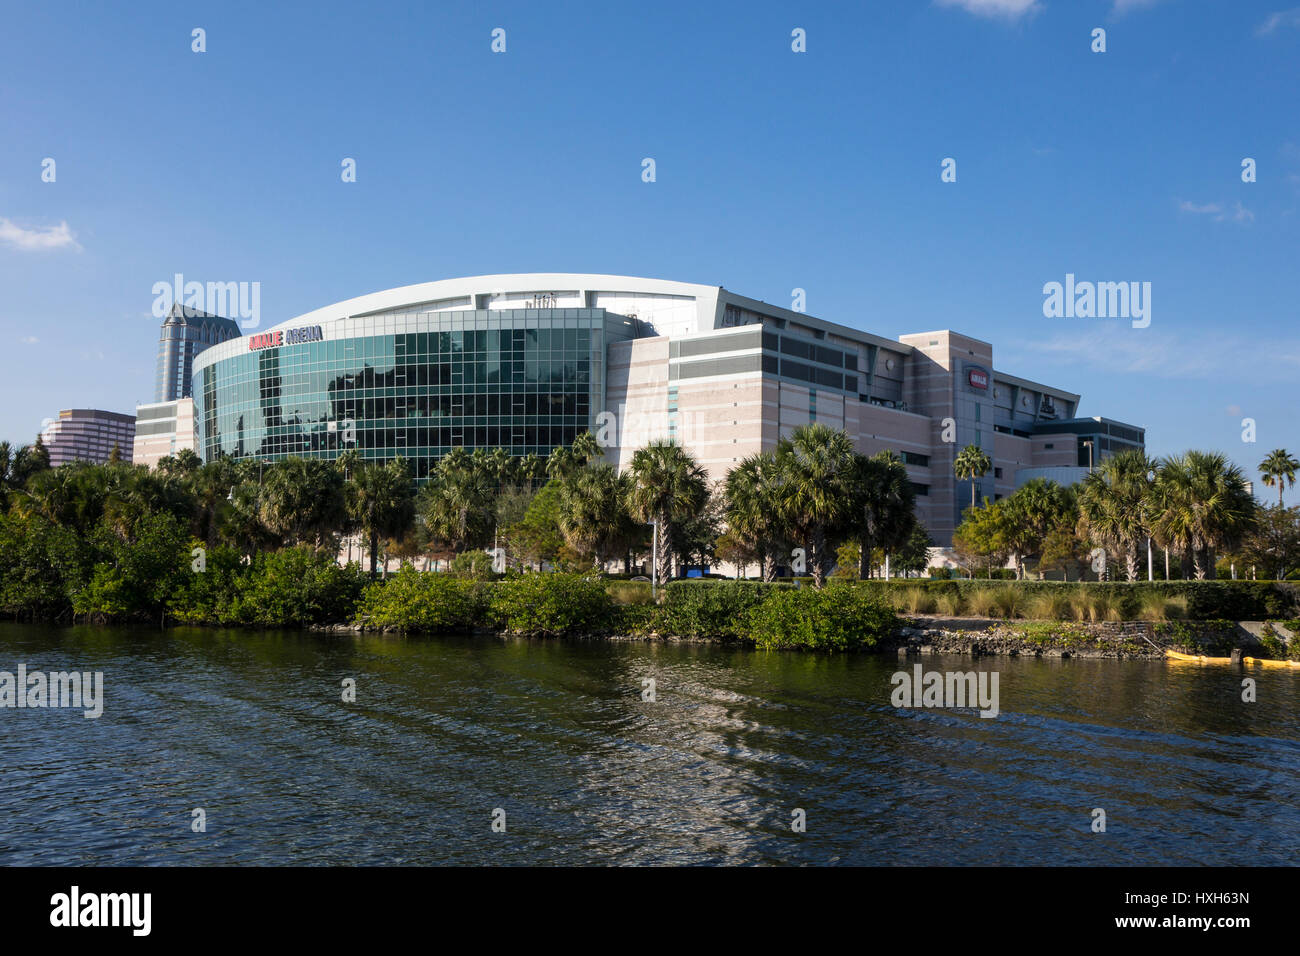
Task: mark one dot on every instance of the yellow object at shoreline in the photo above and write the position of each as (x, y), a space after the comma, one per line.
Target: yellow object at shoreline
(1202, 659)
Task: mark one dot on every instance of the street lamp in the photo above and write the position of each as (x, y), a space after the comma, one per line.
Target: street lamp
(1151, 477)
(1089, 444)
(654, 560)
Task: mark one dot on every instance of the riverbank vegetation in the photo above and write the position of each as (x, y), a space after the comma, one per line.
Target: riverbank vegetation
(259, 544)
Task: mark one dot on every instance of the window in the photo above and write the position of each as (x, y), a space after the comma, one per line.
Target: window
(997, 472)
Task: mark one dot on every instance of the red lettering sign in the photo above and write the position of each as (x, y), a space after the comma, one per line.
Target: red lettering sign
(265, 340)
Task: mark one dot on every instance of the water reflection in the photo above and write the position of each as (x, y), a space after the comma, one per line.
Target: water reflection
(251, 727)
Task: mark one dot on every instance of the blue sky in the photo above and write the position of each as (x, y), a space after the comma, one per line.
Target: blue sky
(775, 170)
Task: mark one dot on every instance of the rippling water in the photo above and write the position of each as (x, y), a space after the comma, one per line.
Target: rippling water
(251, 727)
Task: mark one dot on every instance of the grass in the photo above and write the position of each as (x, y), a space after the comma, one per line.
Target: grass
(914, 600)
(1049, 606)
(629, 592)
(949, 603)
(982, 603)
(1009, 601)
(1159, 607)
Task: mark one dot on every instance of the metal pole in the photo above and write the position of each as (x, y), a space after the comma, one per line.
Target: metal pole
(1150, 573)
(654, 560)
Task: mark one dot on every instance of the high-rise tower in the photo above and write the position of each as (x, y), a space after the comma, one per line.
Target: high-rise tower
(185, 333)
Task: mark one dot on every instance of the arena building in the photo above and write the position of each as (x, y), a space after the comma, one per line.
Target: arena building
(527, 362)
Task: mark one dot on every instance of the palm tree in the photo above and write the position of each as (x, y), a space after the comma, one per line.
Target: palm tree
(502, 465)
(753, 495)
(594, 518)
(382, 502)
(1279, 469)
(1200, 505)
(457, 503)
(585, 447)
(303, 500)
(882, 508)
(971, 464)
(348, 462)
(668, 487)
(816, 464)
(1114, 502)
(532, 468)
(561, 461)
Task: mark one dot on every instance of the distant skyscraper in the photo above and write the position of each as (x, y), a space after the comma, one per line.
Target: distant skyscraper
(185, 333)
(89, 434)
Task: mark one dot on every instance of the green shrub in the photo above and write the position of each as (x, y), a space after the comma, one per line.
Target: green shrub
(294, 587)
(712, 608)
(839, 617)
(551, 605)
(635, 619)
(214, 594)
(475, 565)
(429, 603)
(1277, 646)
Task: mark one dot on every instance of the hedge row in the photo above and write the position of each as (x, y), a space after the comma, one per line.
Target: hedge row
(1205, 600)
(839, 617)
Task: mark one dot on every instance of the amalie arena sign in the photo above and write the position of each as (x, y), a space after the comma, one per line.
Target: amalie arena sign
(269, 340)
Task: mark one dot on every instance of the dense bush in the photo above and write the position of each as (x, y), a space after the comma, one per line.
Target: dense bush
(551, 605)
(839, 617)
(429, 603)
(705, 608)
(139, 577)
(294, 587)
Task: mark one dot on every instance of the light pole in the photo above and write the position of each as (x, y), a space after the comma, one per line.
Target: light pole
(654, 560)
(1151, 477)
(1089, 444)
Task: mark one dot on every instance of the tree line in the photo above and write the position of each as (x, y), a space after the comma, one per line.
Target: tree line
(1195, 506)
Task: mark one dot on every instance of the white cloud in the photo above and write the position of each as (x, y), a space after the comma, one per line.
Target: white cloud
(1281, 19)
(1217, 212)
(55, 237)
(1121, 7)
(1171, 353)
(29, 340)
(1009, 9)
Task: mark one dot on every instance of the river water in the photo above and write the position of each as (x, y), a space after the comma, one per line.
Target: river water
(251, 728)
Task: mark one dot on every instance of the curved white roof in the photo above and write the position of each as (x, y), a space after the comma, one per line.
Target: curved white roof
(674, 308)
(411, 297)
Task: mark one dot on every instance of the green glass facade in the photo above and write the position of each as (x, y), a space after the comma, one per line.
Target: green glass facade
(524, 380)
